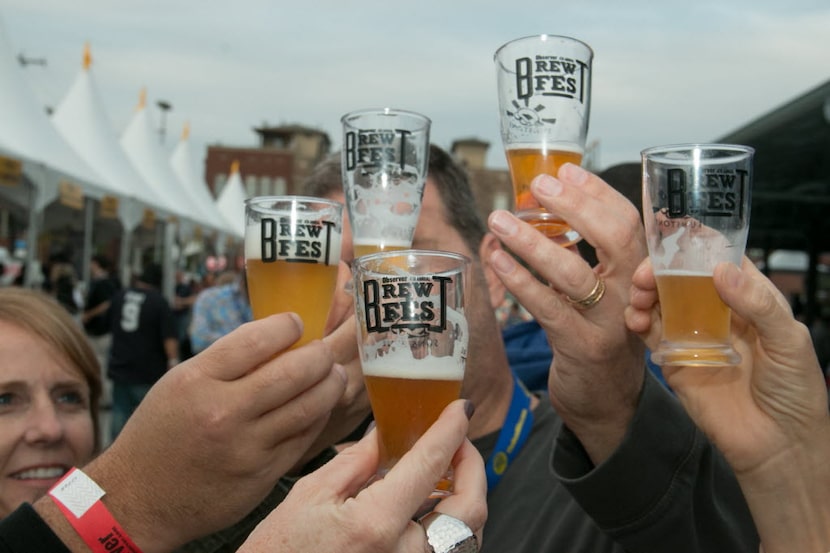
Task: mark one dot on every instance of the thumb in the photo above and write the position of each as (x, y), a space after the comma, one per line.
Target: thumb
(755, 298)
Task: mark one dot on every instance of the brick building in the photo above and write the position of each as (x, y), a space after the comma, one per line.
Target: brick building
(286, 154)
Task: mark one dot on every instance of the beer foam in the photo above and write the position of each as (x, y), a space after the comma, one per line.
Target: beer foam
(399, 362)
(550, 147)
(385, 240)
(253, 248)
(681, 272)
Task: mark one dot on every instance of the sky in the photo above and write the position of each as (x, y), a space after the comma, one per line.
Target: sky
(664, 71)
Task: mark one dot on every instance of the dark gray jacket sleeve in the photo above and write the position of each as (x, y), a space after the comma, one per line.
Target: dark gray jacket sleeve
(666, 488)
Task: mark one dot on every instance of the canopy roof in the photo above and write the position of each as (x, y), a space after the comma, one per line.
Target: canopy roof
(27, 133)
(791, 191)
(81, 120)
(141, 145)
(231, 201)
(183, 162)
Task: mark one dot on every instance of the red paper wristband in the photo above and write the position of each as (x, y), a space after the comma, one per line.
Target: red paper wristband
(79, 499)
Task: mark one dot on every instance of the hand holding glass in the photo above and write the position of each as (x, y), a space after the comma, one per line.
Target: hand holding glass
(385, 157)
(696, 200)
(413, 336)
(544, 86)
(292, 250)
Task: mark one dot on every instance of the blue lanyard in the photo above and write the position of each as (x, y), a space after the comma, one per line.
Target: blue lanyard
(513, 434)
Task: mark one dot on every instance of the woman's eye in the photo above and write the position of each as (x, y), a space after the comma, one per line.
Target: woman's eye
(8, 400)
(71, 398)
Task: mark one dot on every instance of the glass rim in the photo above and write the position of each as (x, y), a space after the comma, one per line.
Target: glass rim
(687, 147)
(386, 111)
(543, 37)
(364, 259)
(256, 200)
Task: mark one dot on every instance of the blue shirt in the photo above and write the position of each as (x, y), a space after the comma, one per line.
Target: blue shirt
(216, 312)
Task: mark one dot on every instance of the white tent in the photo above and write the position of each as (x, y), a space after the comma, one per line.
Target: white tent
(143, 149)
(81, 120)
(183, 163)
(27, 131)
(50, 168)
(231, 201)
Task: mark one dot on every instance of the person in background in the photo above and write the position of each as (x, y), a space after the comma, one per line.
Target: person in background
(768, 415)
(219, 310)
(50, 382)
(95, 317)
(144, 343)
(184, 295)
(61, 282)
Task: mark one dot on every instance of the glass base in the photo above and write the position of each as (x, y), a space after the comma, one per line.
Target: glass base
(550, 225)
(443, 488)
(670, 354)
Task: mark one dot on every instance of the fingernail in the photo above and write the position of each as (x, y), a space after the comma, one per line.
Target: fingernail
(502, 262)
(297, 320)
(573, 174)
(348, 287)
(503, 223)
(469, 409)
(545, 185)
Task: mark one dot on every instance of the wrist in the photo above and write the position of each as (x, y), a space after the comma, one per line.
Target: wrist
(78, 499)
(789, 495)
(142, 515)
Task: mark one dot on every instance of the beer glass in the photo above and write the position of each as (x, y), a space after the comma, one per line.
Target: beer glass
(384, 159)
(413, 336)
(292, 250)
(544, 87)
(696, 200)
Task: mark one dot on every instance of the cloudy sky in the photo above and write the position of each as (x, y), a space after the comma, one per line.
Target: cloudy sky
(664, 71)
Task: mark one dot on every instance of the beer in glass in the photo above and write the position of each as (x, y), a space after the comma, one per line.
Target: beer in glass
(544, 87)
(696, 200)
(384, 162)
(413, 336)
(292, 252)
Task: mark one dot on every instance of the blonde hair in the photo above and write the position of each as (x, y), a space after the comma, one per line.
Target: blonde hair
(44, 317)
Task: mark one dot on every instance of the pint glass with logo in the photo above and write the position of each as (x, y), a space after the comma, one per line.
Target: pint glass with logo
(413, 336)
(544, 86)
(696, 201)
(384, 159)
(292, 251)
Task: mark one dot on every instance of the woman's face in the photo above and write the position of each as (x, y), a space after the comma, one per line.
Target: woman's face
(45, 422)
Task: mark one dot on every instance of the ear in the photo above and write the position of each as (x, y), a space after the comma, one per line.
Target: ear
(489, 244)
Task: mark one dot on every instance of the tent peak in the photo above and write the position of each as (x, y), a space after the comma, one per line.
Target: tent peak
(142, 99)
(87, 56)
(235, 166)
(186, 130)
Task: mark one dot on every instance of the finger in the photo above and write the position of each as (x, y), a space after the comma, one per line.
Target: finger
(342, 304)
(469, 500)
(413, 540)
(297, 414)
(286, 376)
(643, 293)
(413, 478)
(252, 344)
(343, 341)
(756, 300)
(583, 199)
(345, 475)
(537, 297)
(563, 269)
